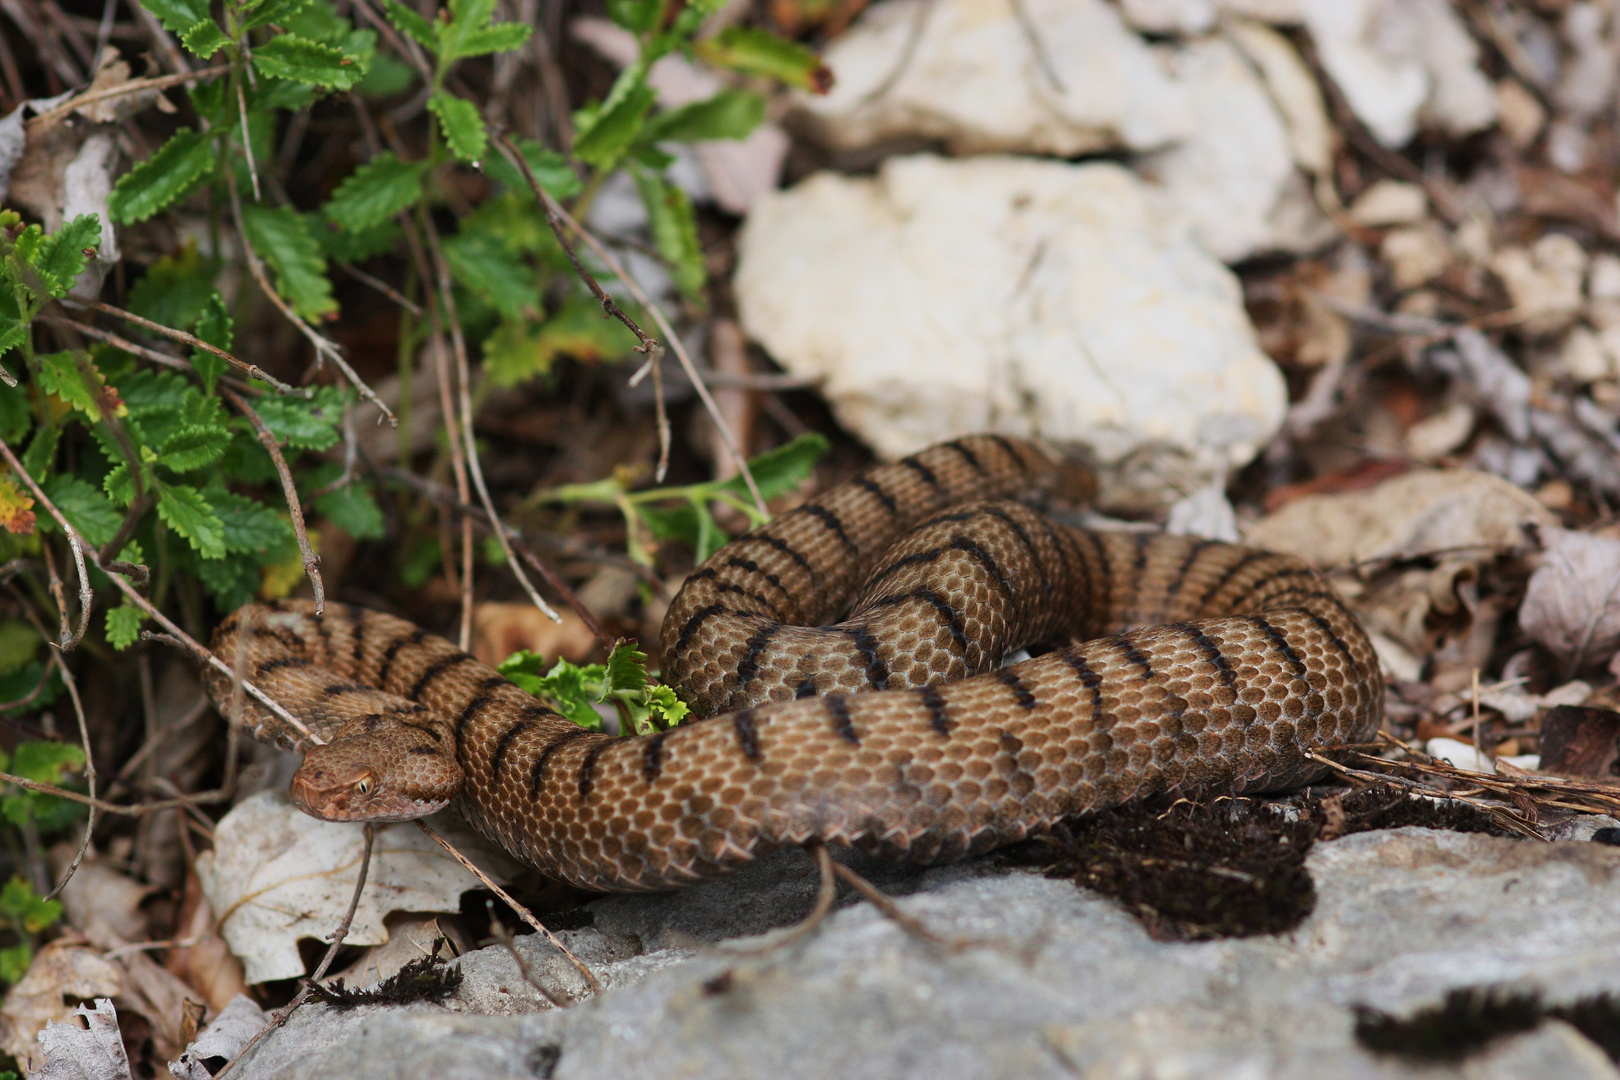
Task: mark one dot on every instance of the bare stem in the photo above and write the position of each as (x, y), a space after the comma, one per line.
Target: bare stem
(181, 336)
(267, 439)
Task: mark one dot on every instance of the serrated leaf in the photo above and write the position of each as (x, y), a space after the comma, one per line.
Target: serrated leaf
(118, 485)
(16, 507)
(411, 24)
(74, 378)
(215, 326)
(305, 424)
(282, 239)
(124, 625)
(86, 509)
(779, 471)
(174, 290)
(177, 16)
(387, 76)
(13, 327)
(193, 447)
(674, 231)
(479, 263)
(610, 130)
(351, 246)
(184, 509)
(375, 192)
(41, 452)
(162, 179)
(753, 51)
(205, 38)
(471, 12)
(251, 527)
(636, 16)
(571, 688)
(273, 11)
(551, 170)
(461, 125)
(231, 581)
(730, 114)
(517, 351)
(351, 508)
(288, 56)
(62, 254)
(486, 39)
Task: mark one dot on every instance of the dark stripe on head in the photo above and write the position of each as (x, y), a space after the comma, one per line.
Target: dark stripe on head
(968, 456)
(1088, 676)
(500, 747)
(430, 730)
(875, 489)
(747, 735)
(435, 669)
(1009, 678)
(1212, 652)
(838, 709)
(748, 667)
(829, 519)
(652, 756)
(924, 473)
(338, 689)
(587, 768)
(934, 702)
(538, 776)
(425, 750)
(415, 637)
(877, 672)
(1280, 643)
(696, 621)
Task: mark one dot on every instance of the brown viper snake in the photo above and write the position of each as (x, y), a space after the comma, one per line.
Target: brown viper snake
(897, 730)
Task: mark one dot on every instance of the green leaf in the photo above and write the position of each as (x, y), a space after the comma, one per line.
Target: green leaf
(186, 511)
(193, 447)
(376, 191)
(13, 326)
(500, 37)
(517, 351)
(674, 230)
(59, 373)
(14, 963)
(86, 509)
(162, 179)
(779, 471)
(62, 254)
(572, 689)
(608, 131)
(174, 290)
(251, 527)
(305, 423)
(232, 582)
(388, 75)
(41, 452)
(730, 114)
(479, 263)
(282, 240)
(288, 56)
(551, 170)
(411, 24)
(124, 625)
(636, 16)
(215, 326)
(463, 128)
(351, 246)
(205, 38)
(353, 509)
(759, 52)
(177, 16)
(118, 484)
(25, 909)
(272, 11)
(19, 643)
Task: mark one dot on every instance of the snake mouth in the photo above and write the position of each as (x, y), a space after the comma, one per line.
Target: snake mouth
(340, 803)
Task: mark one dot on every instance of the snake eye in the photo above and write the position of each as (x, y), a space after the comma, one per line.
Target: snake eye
(363, 786)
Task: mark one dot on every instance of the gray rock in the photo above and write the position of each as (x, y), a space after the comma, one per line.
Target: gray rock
(1063, 982)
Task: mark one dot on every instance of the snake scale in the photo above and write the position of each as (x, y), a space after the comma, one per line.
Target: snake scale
(1170, 664)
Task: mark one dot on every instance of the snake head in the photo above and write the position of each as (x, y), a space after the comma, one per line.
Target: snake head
(345, 780)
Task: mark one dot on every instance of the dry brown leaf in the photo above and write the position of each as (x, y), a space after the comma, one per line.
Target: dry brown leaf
(101, 892)
(1572, 605)
(238, 1021)
(92, 1052)
(1577, 741)
(499, 630)
(206, 964)
(63, 971)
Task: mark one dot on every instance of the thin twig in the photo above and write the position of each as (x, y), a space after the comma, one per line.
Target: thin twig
(825, 895)
(253, 370)
(267, 439)
(503, 937)
(523, 913)
(134, 86)
(247, 142)
(381, 286)
(87, 598)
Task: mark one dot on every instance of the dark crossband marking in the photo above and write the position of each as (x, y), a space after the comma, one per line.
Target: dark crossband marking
(753, 567)
(941, 519)
(934, 702)
(427, 729)
(877, 672)
(500, 747)
(437, 668)
(1211, 652)
(766, 607)
(786, 549)
(1142, 540)
(415, 637)
(986, 560)
(539, 775)
(281, 634)
(1287, 573)
(967, 455)
(1194, 550)
(1105, 572)
(323, 632)
(587, 768)
(484, 697)
(357, 634)
(830, 519)
(1327, 628)
(1008, 448)
(747, 735)
(1009, 678)
(924, 472)
(807, 688)
(268, 666)
(1023, 538)
(338, 689)
(1248, 560)
(1088, 677)
(875, 489)
(698, 618)
(1280, 643)
(748, 667)
(838, 709)
(428, 750)
(960, 543)
(1134, 655)
(953, 618)
(652, 756)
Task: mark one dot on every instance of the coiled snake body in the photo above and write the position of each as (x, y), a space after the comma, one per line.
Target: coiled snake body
(898, 730)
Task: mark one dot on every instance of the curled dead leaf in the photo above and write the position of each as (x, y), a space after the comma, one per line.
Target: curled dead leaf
(1572, 605)
(63, 972)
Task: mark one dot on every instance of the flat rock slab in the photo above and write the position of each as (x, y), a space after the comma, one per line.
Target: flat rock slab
(1072, 985)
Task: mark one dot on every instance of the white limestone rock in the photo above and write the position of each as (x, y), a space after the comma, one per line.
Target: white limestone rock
(1067, 78)
(1034, 298)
